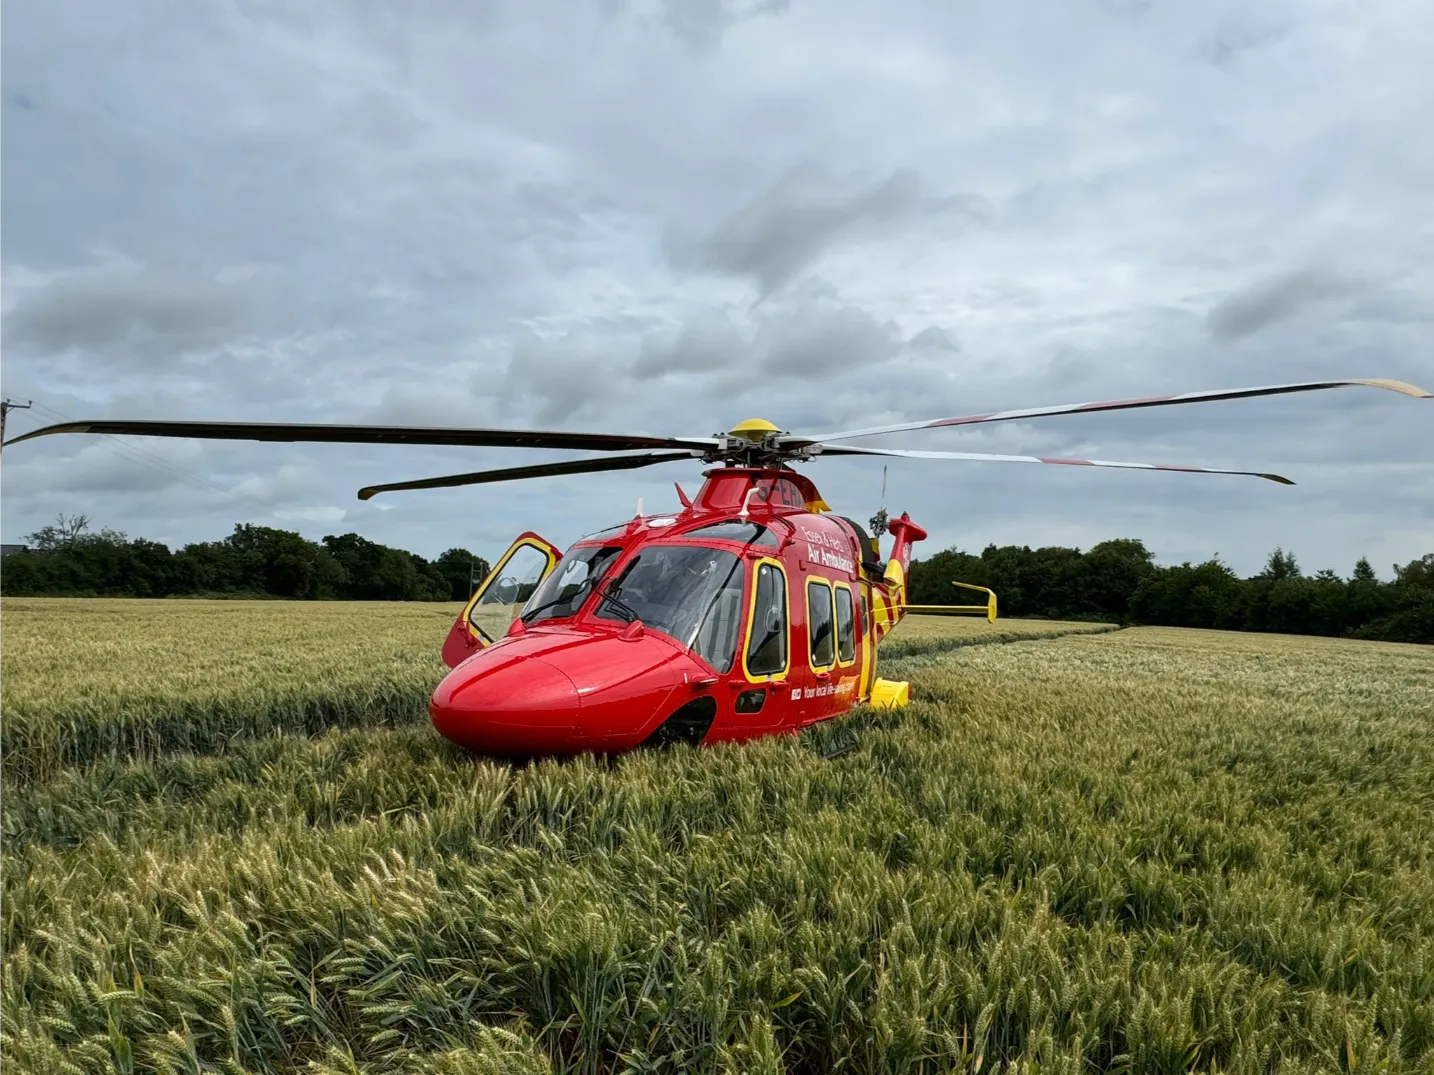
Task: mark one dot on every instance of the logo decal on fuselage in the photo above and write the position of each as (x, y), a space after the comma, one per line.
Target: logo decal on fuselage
(820, 550)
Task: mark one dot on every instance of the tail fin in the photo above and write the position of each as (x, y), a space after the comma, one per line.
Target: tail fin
(905, 533)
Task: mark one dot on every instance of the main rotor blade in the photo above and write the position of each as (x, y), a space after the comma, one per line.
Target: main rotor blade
(851, 449)
(797, 440)
(351, 434)
(544, 470)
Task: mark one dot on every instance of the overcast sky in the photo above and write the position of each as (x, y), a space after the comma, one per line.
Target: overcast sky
(668, 217)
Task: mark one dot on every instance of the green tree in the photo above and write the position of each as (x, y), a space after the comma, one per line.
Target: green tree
(1280, 565)
(278, 562)
(462, 571)
(61, 534)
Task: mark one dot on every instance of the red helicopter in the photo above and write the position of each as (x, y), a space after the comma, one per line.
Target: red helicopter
(754, 610)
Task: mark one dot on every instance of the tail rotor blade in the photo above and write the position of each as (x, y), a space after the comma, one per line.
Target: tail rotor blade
(544, 470)
(851, 449)
(794, 440)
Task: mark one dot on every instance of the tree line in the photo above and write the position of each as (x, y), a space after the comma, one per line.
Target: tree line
(1115, 581)
(68, 559)
(1118, 581)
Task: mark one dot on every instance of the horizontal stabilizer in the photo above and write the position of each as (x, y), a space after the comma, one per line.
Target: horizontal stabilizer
(989, 608)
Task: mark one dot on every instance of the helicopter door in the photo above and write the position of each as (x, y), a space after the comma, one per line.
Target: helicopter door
(500, 597)
(766, 657)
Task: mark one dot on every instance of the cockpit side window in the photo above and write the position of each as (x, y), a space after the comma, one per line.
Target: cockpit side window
(767, 639)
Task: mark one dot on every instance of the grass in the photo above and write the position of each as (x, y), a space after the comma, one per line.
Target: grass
(1153, 850)
(93, 679)
(114, 678)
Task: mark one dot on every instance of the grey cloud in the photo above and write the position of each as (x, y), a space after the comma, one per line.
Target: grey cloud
(815, 335)
(1125, 9)
(933, 338)
(1069, 367)
(155, 314)
(423, 405)
(701, 24)
(104, 465)
(559, 377)
(707, 343)
(785, 229)
(1238, 36)
(521, 215)
(1247, 311)
(827, 342)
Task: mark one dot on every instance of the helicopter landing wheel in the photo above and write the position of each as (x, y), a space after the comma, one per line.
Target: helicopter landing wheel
(688, 725)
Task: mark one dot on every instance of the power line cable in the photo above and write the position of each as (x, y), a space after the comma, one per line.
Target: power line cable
(126, 450)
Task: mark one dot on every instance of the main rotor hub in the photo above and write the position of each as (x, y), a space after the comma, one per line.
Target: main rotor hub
(756, 443)
(755, 430)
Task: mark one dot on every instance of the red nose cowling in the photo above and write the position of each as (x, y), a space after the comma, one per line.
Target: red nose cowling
(562, 691)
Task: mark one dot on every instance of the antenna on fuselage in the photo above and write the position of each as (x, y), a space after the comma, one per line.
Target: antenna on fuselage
(746, 497)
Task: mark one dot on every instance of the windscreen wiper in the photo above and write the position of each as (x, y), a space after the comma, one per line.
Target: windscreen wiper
(582, 587)
(609, 593)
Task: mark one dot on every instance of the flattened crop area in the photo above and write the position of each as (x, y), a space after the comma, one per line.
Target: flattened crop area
(1155, 850)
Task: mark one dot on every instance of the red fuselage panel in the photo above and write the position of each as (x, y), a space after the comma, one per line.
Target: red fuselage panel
(562, 690)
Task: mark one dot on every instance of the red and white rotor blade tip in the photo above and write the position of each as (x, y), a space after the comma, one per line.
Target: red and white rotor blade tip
(980, 457)
(1116, 405)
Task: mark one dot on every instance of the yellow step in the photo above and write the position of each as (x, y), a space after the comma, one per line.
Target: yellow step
(890, 694)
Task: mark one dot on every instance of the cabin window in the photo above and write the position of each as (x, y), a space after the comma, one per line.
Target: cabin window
(751, 701)
(513, 583)
(819, 623)
(736, 530)
(690, 592)
(861, 616)
(767, 640)
(846, 626)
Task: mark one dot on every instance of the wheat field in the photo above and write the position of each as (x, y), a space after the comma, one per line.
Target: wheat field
(232, 843)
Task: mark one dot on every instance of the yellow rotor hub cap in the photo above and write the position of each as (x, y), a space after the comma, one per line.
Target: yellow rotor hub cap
(753, 429)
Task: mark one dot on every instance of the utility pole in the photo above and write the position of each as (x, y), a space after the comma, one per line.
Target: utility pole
(6, 406)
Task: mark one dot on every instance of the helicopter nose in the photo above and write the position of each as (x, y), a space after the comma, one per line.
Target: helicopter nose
(522, 706)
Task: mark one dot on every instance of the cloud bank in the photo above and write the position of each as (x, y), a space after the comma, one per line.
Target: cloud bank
(665, 217)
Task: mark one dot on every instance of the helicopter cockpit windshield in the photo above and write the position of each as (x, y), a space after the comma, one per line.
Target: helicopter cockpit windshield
(691, 592)
(564, 590)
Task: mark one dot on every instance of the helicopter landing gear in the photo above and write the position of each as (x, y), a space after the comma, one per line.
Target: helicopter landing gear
(688, 725)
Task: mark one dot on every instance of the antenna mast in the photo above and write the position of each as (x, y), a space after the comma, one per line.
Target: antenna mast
(6, 406)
